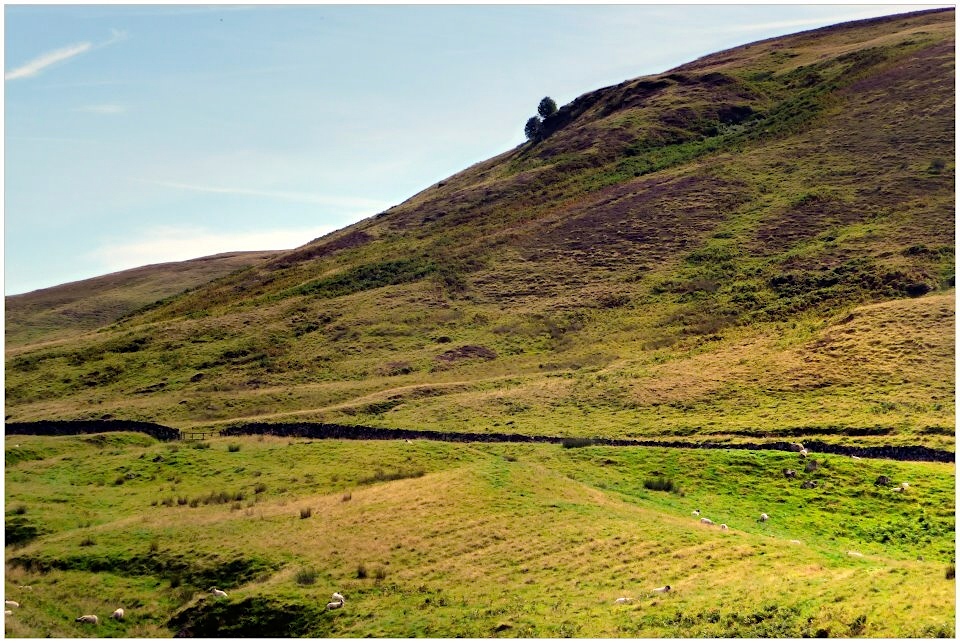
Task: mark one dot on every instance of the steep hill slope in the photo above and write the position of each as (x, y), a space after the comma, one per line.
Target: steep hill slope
(730, 248)
(76, 307)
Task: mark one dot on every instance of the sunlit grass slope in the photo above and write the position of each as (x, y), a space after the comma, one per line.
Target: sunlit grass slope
(757, 243)
(82, 306)
(444, 540)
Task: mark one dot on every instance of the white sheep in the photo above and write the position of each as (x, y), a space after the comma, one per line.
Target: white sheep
(8, 612)
(904, 485)
(695, 512)
(706, 521)
(338, 601)
(117, 614)
(764, 517)
(662, 590)
(797, 445)
(723, 526)
(855, 553)
(219, 593)
(88, 618)
(796, 542)
(622, 600)
(11, 603)
(804, 453)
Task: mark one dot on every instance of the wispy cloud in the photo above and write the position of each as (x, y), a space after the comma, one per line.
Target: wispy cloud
(164, 244)
(41, 62)
(354, 203)
(103, 109)
(52, 139)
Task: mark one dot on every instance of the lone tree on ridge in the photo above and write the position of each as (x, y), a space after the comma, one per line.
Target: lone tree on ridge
(547, 107)
(532, 128)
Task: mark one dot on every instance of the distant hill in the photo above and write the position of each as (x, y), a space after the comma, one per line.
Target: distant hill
(76, 307)
(757, 243)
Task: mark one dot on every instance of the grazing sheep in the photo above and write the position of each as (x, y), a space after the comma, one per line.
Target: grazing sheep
(338, 601)
(622, 600)
(706, 521)
(88, 618)
(904, 485)
(11, 603)
(117, 614)
(723, 526)
(764, 517)
(218, 593)
(797, 446)
(8, 612)
(789, 473)
(804, 453)
(662, 590)
(695, 512)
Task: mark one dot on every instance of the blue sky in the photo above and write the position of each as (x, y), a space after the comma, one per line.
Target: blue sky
(138, 134)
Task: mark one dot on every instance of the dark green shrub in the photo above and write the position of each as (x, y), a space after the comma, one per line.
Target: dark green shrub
(233, 448)
(17, 531)
(576, 443)
(306, 512)
(361, 571)
(260, 488)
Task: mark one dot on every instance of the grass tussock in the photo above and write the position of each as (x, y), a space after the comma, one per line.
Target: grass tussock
(380, 475)
(306, 576)
(662, 484)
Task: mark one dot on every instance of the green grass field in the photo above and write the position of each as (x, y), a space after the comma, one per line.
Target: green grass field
(444, 540)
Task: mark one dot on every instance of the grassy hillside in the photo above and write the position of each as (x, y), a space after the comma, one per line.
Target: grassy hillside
(757, 243)
(443, 540)
(81, 306)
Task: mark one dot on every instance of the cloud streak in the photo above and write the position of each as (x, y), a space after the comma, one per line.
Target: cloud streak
(103, 109)
(353, 203)
(164, 244)
(43, 61)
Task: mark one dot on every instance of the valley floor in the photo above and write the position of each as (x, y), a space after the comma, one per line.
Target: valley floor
(479, 540)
